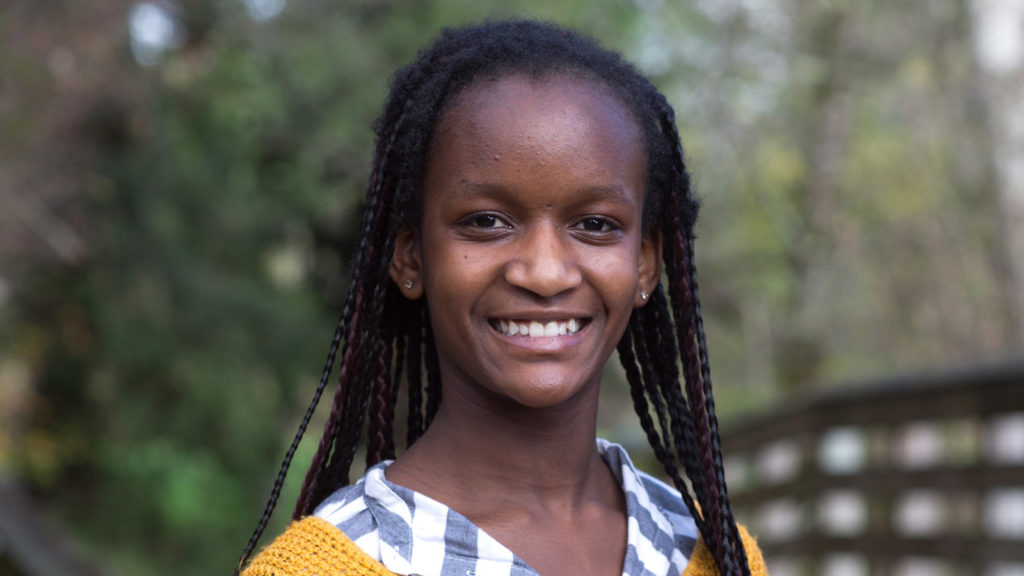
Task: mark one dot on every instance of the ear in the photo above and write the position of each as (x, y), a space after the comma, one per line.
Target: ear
(406, 264)
(649, 267)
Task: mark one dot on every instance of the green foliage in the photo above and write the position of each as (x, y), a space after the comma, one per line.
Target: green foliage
(170, 365)
(845, 232)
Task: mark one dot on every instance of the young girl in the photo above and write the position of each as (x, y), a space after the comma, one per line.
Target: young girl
(528, 191)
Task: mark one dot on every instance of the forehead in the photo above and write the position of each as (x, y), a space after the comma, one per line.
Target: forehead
(544, 84)
(547, 113)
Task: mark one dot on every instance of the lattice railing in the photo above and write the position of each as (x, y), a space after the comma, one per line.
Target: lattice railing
(920, 476)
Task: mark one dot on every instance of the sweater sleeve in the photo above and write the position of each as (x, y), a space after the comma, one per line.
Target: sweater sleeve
(313, 546)
(702, 563)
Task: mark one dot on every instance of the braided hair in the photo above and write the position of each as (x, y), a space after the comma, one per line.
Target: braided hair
(383, 336)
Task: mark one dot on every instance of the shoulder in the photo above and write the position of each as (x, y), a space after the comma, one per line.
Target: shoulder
(313, 546)
(349, 510)
(703, 564)
(669, 502)
(343, 504)
(665, 505)
(649, 496)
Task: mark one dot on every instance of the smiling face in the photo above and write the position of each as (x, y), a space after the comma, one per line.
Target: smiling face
(530, 251)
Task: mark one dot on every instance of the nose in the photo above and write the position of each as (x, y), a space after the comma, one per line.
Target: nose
(544, 262)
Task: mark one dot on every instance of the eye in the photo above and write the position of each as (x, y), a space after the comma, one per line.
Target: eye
(596, 224)
(486, 221)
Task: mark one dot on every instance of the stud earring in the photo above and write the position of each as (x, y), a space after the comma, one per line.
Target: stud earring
(643, 295)
(408, 284)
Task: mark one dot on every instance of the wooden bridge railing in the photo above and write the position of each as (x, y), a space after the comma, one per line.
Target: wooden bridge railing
(919, 476)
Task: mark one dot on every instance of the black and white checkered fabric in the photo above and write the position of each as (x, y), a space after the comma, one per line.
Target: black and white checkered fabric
(413, 534)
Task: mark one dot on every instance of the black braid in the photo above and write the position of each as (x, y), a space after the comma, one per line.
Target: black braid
(649, 379)
(398, 353)
(642, 408)
(660, 369)
(322, 457)
(730, 555)
(640, 404)
(728, 523)
(683, 427)
(380, 327)
(275, 493)
(370, 365)
(684, 445)
(684, 436)
(345, 423)
(381, 444)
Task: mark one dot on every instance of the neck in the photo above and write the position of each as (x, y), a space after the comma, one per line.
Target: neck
(478, 454)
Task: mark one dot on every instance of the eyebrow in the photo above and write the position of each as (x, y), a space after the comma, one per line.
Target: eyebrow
(588, 194)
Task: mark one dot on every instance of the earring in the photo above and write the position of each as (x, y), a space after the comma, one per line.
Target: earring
(643, 295)
(408, 284)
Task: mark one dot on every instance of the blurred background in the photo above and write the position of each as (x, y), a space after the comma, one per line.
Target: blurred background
(179, 186)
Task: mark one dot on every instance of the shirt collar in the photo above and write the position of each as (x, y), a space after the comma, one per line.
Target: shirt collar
(413, 528)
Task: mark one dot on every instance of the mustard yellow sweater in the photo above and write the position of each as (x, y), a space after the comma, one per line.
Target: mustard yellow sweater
(314, 547)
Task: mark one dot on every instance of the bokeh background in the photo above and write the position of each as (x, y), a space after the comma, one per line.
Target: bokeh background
(180, 181)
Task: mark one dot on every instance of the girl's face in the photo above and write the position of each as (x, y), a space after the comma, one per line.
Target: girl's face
(530, 251)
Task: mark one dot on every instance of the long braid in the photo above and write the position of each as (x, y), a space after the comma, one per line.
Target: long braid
(684, 430)
(662, 372)
(649, 379)
(381, 444)
(359, 401)
(642, 405)
(731, 553)
(684, 436)
(398, 354)
(282, 473)
(736, 552)
(704, 482)
(687, 346)
(329, 458)
(320, 458)
(713, 515)
(686, 337)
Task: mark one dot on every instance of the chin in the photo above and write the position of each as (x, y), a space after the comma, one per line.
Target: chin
(547, 393)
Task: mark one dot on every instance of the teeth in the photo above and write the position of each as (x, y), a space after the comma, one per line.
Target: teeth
(535, 329)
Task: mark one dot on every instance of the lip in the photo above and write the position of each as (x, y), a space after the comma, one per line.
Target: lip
(541, 315)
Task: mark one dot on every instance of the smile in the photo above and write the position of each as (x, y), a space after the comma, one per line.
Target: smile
(535, 329)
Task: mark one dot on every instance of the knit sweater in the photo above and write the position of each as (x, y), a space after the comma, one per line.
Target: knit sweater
(314, 547)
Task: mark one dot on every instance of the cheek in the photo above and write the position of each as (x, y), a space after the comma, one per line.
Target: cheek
(450, 269)
(618, 275)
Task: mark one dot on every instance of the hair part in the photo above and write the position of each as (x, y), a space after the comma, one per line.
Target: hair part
(382, 336)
